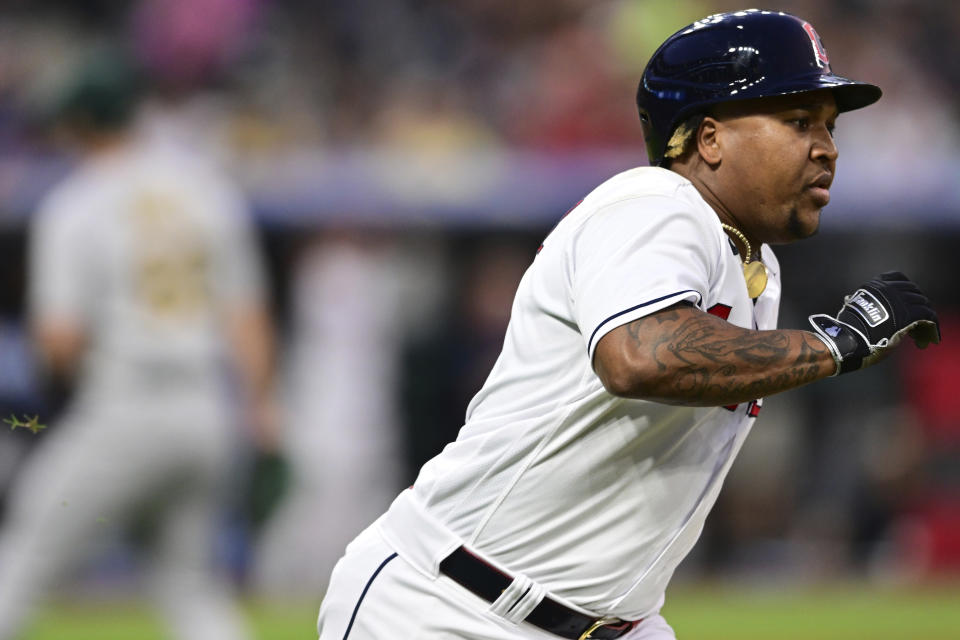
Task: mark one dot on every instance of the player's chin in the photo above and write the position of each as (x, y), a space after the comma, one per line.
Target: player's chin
(804, 222)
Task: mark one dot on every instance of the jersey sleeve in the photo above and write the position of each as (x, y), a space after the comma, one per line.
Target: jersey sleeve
(635, 257)
(60, 262)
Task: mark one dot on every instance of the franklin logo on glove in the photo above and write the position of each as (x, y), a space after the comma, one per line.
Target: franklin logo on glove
(869, 307)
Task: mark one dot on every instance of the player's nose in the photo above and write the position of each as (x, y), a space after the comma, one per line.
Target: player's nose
(824, 147)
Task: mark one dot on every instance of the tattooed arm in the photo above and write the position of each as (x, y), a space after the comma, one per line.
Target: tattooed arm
(681, 355)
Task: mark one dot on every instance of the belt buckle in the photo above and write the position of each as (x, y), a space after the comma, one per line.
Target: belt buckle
(596, 625)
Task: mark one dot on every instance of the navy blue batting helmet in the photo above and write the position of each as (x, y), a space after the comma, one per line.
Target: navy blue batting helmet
(736, 56)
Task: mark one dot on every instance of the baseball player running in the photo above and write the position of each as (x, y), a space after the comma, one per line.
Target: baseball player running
(641, 344)
(144, 283)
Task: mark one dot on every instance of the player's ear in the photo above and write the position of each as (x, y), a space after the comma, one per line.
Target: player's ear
(708, 141)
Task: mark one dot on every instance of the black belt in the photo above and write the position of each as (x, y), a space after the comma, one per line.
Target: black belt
(488, 582)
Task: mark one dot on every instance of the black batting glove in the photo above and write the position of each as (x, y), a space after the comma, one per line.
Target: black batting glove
(873, 320)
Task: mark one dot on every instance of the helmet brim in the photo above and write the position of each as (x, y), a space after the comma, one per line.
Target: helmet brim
(849, 94)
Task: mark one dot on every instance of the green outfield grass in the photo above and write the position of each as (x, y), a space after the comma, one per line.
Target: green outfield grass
(848, 612)
(136, 621)
(816, 613)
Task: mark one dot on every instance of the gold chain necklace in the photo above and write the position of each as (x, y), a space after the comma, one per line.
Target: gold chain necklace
(755, 273)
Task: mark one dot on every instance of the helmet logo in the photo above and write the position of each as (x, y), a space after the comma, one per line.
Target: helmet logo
(818, 50)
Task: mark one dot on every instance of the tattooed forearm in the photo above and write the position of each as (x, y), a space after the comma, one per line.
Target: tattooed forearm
(682, 355)
(696, 339)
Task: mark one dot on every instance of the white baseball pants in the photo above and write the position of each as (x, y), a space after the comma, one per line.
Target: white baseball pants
(376, 595)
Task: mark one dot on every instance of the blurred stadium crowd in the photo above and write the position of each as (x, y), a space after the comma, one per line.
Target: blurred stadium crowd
(402, 160)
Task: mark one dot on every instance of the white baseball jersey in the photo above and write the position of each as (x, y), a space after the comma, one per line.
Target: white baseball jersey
(593, 497)
(145, 248)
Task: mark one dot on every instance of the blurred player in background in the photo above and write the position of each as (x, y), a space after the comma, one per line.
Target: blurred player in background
(145, 293)
(347, 299)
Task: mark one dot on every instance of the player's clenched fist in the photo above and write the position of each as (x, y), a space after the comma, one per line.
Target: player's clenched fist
(873, 320)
